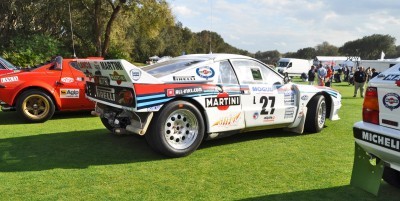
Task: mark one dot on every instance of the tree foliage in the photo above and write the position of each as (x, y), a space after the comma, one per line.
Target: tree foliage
(370, 47)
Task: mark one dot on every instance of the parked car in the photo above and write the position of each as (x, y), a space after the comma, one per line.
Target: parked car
(37, 93)
(177, 103)
(6, 67)
(378, 134)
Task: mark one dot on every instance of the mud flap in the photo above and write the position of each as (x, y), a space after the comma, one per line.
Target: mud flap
(365, 175)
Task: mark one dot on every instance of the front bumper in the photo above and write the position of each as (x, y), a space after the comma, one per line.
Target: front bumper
(379, 141)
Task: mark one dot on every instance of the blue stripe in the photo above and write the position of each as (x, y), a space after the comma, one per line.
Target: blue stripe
(145, 97)
(156, 102)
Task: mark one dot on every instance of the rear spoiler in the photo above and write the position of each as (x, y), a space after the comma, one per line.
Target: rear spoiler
(116, 72)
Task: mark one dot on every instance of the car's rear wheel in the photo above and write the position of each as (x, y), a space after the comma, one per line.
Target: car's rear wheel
(391, 176)
(177, 130)
(35, 106)
(316, 114)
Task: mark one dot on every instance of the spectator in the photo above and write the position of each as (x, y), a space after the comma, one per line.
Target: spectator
(359, 80)
(374, 73)
(311, 75)
(328, 77)
(369, 73)
(321, 75)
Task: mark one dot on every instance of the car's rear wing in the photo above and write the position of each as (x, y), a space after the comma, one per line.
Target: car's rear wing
(111, 81)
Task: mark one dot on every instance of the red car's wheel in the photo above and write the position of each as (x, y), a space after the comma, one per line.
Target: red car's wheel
(177, 130)
(35, 106)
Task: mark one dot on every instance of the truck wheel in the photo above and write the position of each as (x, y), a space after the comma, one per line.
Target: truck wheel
(35, 106)
(391, 176)
(316, 114)
(177, 130)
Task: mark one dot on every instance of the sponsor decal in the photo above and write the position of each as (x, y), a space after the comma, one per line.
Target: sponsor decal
(184, 78)
(96, 65)
(222, 101)
(304, 97)
(205, 72)
(270, 118)
(135, 74)
(111, 65)
(255, 115)
(392, 77)
(263, 89)
(69, 93)
(230, 120)
(289, 113)
(117, 77)
(378, 139)
(125, 97)
(101, 80)
(183, 91)
(67, 79)
(391, 101)
(154, 108)
(79, 79)
(105, 93)
(9, 79)
(289, 98)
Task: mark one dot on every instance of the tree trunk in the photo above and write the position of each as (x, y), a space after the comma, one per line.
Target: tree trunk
(107, 35)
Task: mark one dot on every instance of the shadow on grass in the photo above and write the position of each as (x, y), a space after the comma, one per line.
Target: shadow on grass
(12, 117)
(249, 136)
(78, 149)
(342, 193)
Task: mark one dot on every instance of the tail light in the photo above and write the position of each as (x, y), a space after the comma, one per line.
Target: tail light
(371, 106)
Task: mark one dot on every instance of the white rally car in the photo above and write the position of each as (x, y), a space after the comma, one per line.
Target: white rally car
(178, 103)
(378, 134)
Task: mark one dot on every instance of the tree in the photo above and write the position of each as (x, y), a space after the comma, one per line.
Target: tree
(268, 57)
(326, 49)
(306, 53)
(370, 47)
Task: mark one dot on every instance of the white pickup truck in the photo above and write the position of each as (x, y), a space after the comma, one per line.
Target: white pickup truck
(377, 136)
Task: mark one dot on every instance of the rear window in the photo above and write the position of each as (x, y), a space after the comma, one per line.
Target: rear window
(170, 66)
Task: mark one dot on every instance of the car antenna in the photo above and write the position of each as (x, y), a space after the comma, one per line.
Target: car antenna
(211, 26)
(72, 32)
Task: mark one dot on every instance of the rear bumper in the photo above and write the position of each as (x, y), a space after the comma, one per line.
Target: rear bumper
(379, 141)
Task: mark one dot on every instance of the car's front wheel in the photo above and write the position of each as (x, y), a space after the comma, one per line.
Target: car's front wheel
(35, 106)
(316, 114)
(177, 130)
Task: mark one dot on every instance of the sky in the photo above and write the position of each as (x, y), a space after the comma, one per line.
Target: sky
(289, 25)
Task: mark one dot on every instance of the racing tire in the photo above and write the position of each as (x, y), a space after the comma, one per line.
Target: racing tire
(35, 106)
(177, 130)
(316, 114)
(391, 176)
(107, 124)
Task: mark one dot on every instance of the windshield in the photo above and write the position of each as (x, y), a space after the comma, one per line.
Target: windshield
(8, 64)
(170, 66)
(283, 64)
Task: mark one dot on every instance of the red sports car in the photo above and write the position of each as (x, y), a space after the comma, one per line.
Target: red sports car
(38, 92)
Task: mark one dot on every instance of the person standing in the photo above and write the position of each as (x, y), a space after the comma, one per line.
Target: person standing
(359, 80)
(328, 77)
(321, 75)
(374, 73)
(311, 75)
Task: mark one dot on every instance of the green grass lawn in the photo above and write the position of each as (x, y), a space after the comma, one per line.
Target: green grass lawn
(72, 157)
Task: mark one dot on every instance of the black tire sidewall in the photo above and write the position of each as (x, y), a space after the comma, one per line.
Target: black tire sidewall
(391, 177)
(156, 138)
(312, 124)
(22, 98)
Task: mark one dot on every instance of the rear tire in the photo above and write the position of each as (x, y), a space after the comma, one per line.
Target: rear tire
(391, 176)
(316, 114)
(35, 106)
(177, 130)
